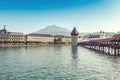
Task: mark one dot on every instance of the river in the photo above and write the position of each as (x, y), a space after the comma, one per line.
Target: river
(57, 63)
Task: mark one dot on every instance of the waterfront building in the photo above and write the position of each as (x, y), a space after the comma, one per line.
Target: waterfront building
(39, 38)
(46, 38)
(74, 35)
(6, 35)
(96, 36)
(66, 39)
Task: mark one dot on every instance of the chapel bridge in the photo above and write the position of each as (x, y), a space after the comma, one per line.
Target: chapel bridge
(109, 46)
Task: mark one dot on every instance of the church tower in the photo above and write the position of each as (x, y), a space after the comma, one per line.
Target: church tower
(74, 35)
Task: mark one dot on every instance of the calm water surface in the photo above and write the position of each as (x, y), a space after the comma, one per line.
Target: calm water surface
(57, 63)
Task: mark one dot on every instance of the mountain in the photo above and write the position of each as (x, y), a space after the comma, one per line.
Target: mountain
(107, 34)
(54, 30)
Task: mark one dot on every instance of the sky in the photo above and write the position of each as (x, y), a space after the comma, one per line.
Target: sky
(86, 15)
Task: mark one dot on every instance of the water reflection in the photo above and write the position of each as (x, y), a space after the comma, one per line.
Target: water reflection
(74, 52)
(8, 49)
(55, 63)
(57, 48)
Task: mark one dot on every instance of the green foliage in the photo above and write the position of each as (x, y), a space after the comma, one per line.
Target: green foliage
(58, 41)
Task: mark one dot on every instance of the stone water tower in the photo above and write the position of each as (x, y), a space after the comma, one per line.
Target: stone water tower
(74, 35)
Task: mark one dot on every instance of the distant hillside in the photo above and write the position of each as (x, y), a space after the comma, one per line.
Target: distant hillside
(54, 30)
(108, 34)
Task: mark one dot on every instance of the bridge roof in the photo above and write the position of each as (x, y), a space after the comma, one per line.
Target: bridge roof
(116, 37)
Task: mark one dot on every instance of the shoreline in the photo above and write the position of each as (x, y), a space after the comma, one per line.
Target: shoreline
(32, 45)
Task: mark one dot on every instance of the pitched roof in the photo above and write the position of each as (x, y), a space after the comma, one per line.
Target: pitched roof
(94, 36)
(15, 33)
(62, 36)
(42, 35)
(116, 37)
(74, 32)
(104, 40)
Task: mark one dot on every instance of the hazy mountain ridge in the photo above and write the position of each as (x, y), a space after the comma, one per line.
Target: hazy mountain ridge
(56, 30)
(109, 34)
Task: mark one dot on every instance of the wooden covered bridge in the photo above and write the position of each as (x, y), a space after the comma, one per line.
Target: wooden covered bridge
(109, 46)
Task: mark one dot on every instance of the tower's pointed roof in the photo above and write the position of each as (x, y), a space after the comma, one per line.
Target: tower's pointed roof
(74, 32)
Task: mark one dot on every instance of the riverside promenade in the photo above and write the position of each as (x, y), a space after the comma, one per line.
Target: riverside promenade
(110, 46)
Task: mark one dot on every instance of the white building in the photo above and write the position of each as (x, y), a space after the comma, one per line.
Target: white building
(39, 37)
(66, 39)
(96, 36)
(6, 35)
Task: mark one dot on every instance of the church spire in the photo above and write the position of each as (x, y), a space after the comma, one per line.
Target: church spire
(4, 26)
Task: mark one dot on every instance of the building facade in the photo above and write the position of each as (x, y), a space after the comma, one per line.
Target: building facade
(94, 36)
(39, 38)
(97, 36)
(6, 35)
(66, 39)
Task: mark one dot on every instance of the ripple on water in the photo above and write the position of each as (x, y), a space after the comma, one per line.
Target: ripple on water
(57, 63)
